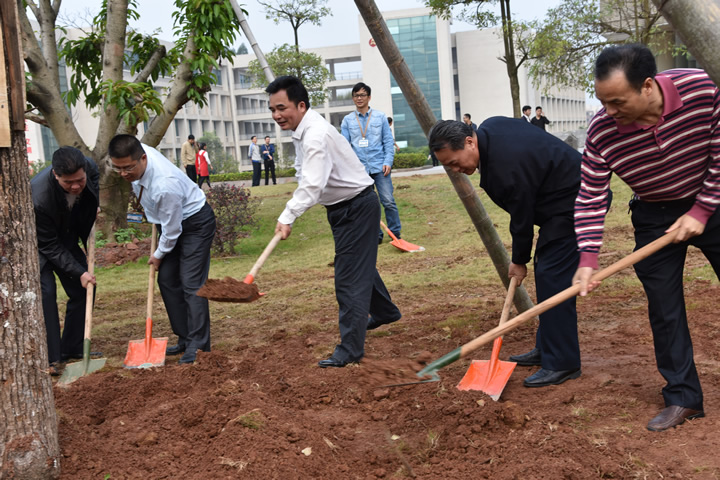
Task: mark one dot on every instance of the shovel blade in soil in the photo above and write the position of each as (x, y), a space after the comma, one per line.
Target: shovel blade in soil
(487, 376)
(406, 246)
(73, 371)
(142, 355)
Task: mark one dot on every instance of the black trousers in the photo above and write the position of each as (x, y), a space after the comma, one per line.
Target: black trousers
(359, 290)
(257, 167)
(71, 340)
(202, 179)
(557, 336)
(182, 272)
(270, 171)
(662, 277)
(191, 172)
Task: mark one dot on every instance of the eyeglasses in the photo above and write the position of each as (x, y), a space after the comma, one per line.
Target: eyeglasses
(360, 95)
(124, 169)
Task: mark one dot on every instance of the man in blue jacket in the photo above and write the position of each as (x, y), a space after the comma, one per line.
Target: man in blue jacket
(535, 177)
(369, 133)
(65, 198)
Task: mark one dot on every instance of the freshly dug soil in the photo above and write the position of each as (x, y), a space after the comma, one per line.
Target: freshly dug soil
(229, 290)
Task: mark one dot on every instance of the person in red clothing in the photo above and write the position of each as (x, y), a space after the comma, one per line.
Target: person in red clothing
(202, 165)
(660, 133)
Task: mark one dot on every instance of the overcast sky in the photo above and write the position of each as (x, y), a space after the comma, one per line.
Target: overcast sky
(339, 29)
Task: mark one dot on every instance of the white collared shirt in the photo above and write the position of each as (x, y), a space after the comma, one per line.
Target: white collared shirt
(168, 198)
(328, 170)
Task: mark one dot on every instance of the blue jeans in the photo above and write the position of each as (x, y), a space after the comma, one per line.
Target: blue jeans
(384, 188)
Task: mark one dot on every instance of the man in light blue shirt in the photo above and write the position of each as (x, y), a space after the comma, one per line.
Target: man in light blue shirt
(187, 228)
(368, 131)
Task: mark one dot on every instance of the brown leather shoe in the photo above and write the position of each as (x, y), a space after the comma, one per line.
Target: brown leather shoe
(672, 416)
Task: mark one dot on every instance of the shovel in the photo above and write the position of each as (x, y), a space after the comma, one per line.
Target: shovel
(400, 243)
(87, 365)
(429, 373)
(492, 376)
(148, 352)
(230, 290)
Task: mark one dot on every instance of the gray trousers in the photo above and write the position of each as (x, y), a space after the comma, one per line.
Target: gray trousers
(182, 272)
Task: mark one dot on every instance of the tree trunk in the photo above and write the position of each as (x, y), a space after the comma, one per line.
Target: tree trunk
(424, 115)
(510, 61)
(696, 21)
(29, 447)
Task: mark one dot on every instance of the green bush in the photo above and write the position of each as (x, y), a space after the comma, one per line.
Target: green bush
(234, 214)
(409, 160)
(237, 176)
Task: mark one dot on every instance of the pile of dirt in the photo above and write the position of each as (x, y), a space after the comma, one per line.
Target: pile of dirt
(229, 290)
(120, 253)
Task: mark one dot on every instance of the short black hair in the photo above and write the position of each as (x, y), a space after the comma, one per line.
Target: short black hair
(526, 107)
(68, 160)
(254, 136)
(202, 145)
(267, 136)
(538, 108)
(295, 90)
(191, 137)
(389, 120)
(361, 86)
(468, 115)
(449, 134)
(122, 146)
(634, 59)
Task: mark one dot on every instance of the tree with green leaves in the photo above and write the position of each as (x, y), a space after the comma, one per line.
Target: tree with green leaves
(297, 13)
(308, 67)
(572, 35)
(98, 59)
(515, 34)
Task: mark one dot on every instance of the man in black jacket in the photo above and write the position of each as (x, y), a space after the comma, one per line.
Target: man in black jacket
(66, 198)
(534, 177)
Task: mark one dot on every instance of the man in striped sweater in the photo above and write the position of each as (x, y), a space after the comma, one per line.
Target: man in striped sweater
(660, 134)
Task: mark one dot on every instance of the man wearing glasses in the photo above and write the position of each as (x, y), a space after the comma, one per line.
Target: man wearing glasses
(369, 133)
(65, 198)
(187, 228)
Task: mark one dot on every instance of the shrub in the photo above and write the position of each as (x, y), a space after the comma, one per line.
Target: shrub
(234, 213)
(236, 176)
(409, 160)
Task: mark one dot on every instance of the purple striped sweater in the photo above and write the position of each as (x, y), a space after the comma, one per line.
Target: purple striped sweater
(678, 158)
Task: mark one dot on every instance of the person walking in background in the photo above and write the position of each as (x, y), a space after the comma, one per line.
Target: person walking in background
(369, 134)
(254, 154)
(660, 133)
(539, 120)
(268, 155)
(526, 113)
(536, 182)
(333, 176)
(65, 198)
(390, 122)
(467, 119)
(187, 154)
(187, 228)
(202, 165)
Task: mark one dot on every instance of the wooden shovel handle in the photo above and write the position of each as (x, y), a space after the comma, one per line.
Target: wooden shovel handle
(508, 301)
(90, 287)
(392, 235)
(568, 293)
(263, 256)
(151, 277)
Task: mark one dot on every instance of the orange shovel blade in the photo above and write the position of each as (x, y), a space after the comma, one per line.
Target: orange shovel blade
(488, 376)
(148, 352)
(406, 246)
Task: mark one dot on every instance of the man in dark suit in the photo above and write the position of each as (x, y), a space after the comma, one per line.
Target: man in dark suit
(65, 198)
(536, 181)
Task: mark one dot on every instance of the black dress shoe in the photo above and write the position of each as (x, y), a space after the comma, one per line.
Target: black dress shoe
(673, 416)
(544, 377)
(333, 362)
(380, 241)
(56, 369)
(175, 350)
(78, 356)
(529, 359)
(188, 357)
(373, 323)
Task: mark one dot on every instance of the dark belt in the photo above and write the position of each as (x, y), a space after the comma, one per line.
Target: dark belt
(345, 203)
(669, 204)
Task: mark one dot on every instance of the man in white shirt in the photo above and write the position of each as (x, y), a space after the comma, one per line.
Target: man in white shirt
(254, 154)
(333, 176)
(187, 228)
